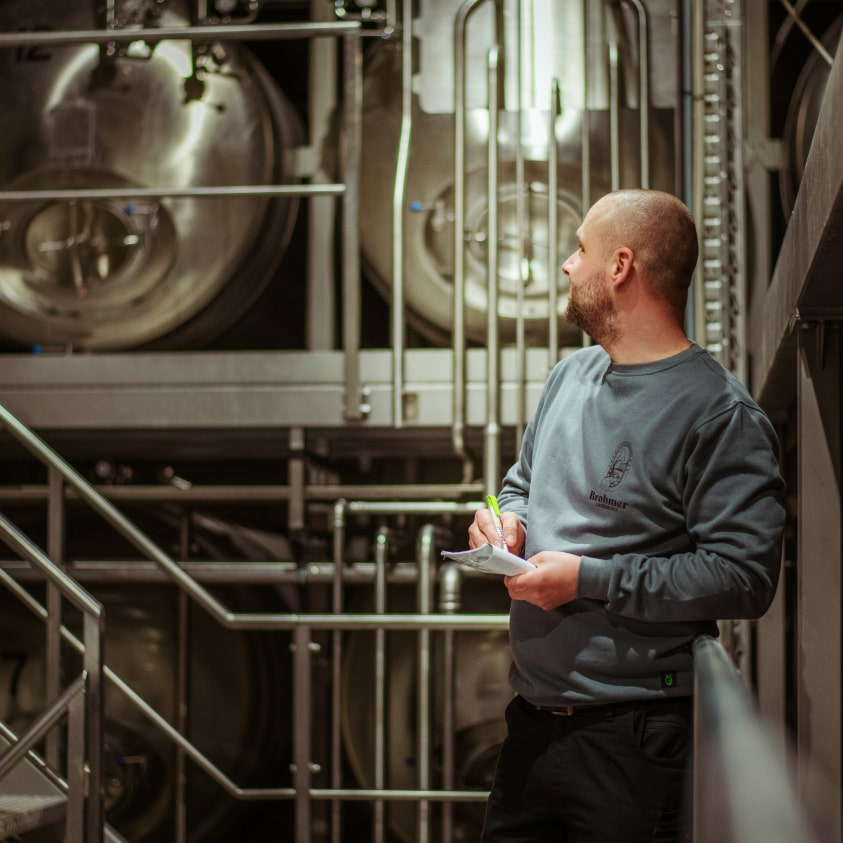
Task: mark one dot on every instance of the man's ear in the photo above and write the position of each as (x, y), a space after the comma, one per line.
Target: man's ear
(622, 262)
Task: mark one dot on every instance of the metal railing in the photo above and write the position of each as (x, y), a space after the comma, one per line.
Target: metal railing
(742, 793)
(302, 627)
(81, 702)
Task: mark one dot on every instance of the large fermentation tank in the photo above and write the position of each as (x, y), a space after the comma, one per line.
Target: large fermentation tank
(590, 52)
(115, 273)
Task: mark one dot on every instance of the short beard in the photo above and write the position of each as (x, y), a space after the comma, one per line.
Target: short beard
(596, 316)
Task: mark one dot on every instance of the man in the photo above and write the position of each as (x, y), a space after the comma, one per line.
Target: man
(648, 495)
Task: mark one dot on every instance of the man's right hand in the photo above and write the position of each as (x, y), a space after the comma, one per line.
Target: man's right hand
(483, 530)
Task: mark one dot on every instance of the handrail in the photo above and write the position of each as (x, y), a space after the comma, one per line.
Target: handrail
(82, 702)
(742, 793)
(302, 624)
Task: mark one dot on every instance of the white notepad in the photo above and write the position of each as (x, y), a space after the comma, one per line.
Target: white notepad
(491, 559)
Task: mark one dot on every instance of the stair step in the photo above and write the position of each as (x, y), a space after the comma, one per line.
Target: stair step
(20, 812)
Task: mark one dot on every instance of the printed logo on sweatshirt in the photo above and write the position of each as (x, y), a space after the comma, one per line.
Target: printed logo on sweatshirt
(618, 467)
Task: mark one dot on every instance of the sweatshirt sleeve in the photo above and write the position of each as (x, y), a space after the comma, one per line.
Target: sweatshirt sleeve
(734, 509)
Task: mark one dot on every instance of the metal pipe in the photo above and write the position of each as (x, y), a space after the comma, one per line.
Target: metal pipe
(225, 571)
(458, 338)
(381, 562)
(321, 211)
(424, 494)
(450, 581)
(643, 90)
(217, 192)
(182, 686)
(398, 211)
(521, 232)
(585, 125)
(552, 225)
(352, 141)
(424, 590)
(491, 474)
(73, 592)
(302, 763)
(93, 626)
(55, 551)
(614, 110)
(337, 605)
(154, 35)
(690, 144)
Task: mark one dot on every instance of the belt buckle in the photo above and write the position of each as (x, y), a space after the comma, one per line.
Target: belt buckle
(567, 711)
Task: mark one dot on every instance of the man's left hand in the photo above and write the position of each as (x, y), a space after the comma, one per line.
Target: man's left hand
(552, 584)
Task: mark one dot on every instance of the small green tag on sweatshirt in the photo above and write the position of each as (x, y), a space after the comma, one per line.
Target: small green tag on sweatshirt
(668, 679)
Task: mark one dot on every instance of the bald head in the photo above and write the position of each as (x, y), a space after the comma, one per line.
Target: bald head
(661, 233)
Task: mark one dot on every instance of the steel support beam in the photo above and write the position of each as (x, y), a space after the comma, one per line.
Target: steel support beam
(805, 283)
(820, 555)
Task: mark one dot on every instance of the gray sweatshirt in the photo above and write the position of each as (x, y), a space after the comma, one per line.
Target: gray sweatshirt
(664, 478)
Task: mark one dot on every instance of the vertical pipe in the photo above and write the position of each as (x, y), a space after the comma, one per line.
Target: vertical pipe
(398, 202)
(425, 564)
(92, 660)
(458, 340)
(689, 145)
(353, 101)
(552, 225)
(492, 437)
(77, 781)
(643, 90)
(521, 233)
(56, 512)
(182, 666)
(614, 110)
(449, 604)
(340, 508)
(301, 731)
(381, 562)
(321, 210)
(585, 135)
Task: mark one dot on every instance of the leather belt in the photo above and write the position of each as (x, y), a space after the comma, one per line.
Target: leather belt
(568, 710)
(595, 708)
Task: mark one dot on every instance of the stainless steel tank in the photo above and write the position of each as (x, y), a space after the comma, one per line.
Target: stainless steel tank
(102, 274)
(236, 687)
(570, 44)
(803, 111)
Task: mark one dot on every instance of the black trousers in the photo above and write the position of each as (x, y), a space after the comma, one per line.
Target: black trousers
(611, 774)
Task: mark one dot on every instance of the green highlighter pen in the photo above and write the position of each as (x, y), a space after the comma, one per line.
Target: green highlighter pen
(492, 501)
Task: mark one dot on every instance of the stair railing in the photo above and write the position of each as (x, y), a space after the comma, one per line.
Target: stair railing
(81, 702)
